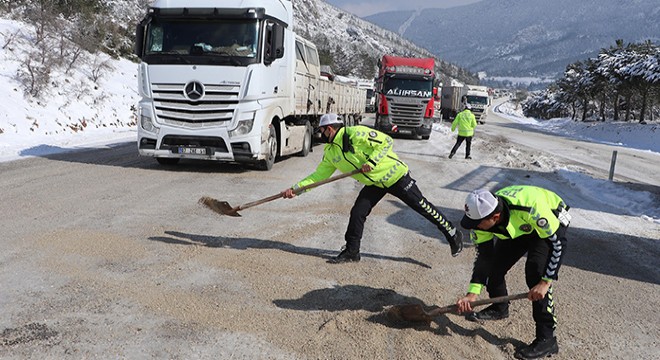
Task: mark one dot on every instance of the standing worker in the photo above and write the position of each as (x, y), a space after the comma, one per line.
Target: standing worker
(508, 224)
(466, 122)
(360, 147)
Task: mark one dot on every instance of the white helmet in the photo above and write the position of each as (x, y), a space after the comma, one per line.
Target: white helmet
(329, 119)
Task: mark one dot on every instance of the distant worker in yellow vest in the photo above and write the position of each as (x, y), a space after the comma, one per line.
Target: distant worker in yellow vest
(466, 122)
(506, 225)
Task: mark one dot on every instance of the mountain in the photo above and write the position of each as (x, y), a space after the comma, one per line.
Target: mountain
(525, 37)
(355, 45)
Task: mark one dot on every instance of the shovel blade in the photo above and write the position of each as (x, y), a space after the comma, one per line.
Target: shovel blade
(219, 207)
(410, 312)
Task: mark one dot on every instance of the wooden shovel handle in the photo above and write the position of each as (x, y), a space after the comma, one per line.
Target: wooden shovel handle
(500, 299)
(298, 190)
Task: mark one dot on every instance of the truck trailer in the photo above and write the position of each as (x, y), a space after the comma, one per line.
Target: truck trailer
(404, 96)
(452, 100)
(230, 81)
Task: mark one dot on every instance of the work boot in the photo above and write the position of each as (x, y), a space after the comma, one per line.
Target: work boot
(539, 348)
(345, 256)
(451, 155)
(468, 157)
(456, 243)
(490, 313)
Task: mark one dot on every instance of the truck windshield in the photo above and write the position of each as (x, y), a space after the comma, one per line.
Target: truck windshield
(482, 100)
(192, 41)
(408, 87)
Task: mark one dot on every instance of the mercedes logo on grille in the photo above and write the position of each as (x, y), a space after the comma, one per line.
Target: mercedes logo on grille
(194, 90)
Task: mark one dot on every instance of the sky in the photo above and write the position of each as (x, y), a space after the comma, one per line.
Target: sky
(364, 8)
(81, 115)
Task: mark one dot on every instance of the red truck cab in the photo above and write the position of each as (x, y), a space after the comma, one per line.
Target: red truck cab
(405, 96)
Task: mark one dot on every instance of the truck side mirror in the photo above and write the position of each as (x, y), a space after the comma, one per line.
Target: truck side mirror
(274, 47)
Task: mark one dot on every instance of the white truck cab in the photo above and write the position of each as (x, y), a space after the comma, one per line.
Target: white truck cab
(224, 81)
(480, 100)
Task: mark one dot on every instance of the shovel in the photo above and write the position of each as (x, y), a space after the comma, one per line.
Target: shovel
(415, 312)
(223, 207)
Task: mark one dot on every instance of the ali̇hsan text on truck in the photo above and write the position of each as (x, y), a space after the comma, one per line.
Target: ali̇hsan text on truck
(232, 83)
(405, 96)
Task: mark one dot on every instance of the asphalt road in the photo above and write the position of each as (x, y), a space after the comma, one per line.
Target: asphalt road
(108, 255)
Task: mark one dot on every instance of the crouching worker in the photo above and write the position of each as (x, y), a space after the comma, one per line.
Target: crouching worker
(508, 224)
(360, 147)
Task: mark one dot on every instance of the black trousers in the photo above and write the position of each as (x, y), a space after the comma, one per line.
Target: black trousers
(407, 191)
(507, 253)
(459, 141)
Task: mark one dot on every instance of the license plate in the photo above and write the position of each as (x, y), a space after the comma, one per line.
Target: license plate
(405, 131)
(191, 150)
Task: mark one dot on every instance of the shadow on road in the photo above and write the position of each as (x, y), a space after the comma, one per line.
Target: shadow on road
(407, 218)
(618, 255)
(379, 301)
(125, 154)
(179, 238)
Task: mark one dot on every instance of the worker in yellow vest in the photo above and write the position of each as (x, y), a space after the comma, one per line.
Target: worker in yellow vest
(466, 123)
(361, 147)
(506, 225)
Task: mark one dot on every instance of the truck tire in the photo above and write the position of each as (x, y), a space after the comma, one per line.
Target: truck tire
(267, 164)
(167, 161)
(307, 140)
(425, 137)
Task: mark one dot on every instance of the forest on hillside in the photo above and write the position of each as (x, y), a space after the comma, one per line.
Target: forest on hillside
(621, 83)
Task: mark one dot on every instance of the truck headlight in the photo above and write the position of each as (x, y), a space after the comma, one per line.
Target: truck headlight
(147, 124)
(244, 125)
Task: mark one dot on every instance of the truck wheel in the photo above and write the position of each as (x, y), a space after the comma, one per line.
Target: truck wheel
(425, 137)
(307, 140)
(168, 161)
(267, 164)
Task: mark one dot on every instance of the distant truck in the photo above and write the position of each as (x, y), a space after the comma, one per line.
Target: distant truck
(230, 81)
(454, 98)
(370, 100)
(480, 100)
(405, 96)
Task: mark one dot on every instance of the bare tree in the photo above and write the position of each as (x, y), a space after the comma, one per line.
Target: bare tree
(9, 38)
(98, 67)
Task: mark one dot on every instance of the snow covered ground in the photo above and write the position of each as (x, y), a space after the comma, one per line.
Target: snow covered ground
(626, 134)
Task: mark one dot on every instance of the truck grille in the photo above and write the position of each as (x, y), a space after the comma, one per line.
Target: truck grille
(215, 107)
(407, 114)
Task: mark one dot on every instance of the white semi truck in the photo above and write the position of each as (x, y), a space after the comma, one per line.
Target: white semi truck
(455, 97)
(480, 100)
(230, 81)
